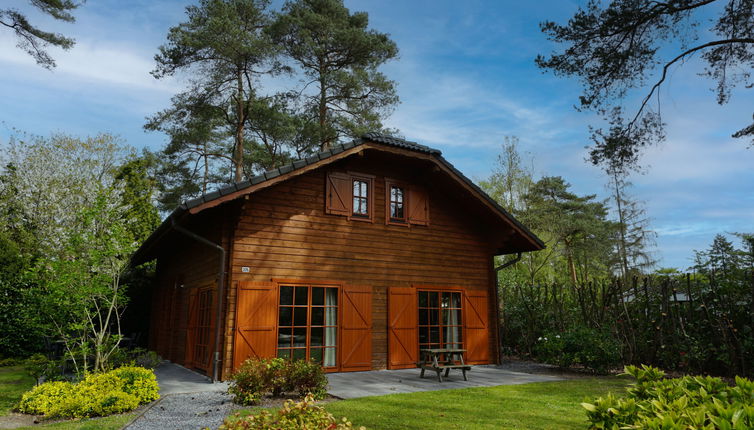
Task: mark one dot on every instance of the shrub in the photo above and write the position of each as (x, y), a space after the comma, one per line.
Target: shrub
(275, 376)
(307, 378)
(691, 402)
(98, 394)
(292, 416)
(596, 350)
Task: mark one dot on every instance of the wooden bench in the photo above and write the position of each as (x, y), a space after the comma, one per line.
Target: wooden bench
(431, 361)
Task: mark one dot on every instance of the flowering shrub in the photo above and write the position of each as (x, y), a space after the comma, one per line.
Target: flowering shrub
(275, 376)
(292, 416)
(596, 350)
(98, 394)
(691, 402)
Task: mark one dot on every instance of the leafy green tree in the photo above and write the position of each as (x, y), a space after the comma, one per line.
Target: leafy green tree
(615, 46)
(34, 40)
(47, 181)
(576, 225)
(343, 92)
(81, 291)
(634, 237)
(223, 50)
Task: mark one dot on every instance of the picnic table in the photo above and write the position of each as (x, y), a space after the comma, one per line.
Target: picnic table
(439, 359)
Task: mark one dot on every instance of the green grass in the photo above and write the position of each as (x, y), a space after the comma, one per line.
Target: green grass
(113, 422)
(544, 405)
(14, 382)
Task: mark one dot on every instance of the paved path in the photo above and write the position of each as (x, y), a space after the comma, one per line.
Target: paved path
(175, 379)
(380, 382)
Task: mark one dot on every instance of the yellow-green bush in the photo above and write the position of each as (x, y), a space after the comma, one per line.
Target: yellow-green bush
(98, 394)
(691, 402)
(292, 416)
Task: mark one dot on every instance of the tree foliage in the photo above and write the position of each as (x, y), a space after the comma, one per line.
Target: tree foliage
(33, 39)
(613, 47)
(338, 56)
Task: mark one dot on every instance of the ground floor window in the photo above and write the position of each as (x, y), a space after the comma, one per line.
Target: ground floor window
(440, 322)
(308, 323)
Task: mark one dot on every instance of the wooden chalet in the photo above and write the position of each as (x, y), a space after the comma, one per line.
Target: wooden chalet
(355, 257)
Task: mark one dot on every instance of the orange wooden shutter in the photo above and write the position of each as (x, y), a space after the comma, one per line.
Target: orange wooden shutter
(256, 321)
(338, 194)
(356, 328)
(418, 206)
(188, 360)
(477, 327)
(403, 340)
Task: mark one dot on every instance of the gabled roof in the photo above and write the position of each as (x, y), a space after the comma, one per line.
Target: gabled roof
(337, 152)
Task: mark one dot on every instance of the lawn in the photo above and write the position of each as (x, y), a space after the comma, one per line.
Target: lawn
(14, 382)
(544, 405)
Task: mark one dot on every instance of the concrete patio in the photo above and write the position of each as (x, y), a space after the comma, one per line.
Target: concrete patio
(380, 382)
(175, 379)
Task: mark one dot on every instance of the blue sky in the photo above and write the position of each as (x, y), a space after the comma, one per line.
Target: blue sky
(466, 79)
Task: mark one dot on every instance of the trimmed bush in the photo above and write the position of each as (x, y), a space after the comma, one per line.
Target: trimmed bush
(596, 350)
(691, 402)
(256, 378)
(98, 394)
(292, 416)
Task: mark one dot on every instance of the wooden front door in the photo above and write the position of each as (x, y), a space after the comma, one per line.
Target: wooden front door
(403, 349)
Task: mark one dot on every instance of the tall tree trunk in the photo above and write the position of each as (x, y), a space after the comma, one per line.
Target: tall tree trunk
(324, 138)
(622, 225)
(240, 120)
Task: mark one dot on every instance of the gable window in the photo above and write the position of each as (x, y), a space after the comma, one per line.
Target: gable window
(360, 198)
(397, 209)
(405, 204)
(350, 194)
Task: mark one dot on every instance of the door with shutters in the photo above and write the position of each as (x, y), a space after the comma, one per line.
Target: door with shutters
(356, 328)
(476, 313)
(256, 321)
(403, 349)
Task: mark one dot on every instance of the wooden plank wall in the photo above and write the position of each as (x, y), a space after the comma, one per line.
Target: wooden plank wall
(283, 233)
(182, 267)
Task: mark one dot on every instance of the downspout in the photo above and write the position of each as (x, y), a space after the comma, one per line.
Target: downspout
(220, 294)
(497, 300)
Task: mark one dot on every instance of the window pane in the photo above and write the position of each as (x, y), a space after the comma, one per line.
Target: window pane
(299, 354)
(286, 295)
(445, 300)
(318, 316)
(433, 296)
(331, 299)
(456, 300)
(434, 334)
(284, 353)
(451, 316)
(317, 334)
(285, 336)
(329, 359)
(423, 299)
(286, 316)
(452, 334)
(423, 317)
(299, 316)
(434, 316)
(423, 335)
(302, 295)
(330, 336)
(299, 337)
(316, 355)
(318, 296)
